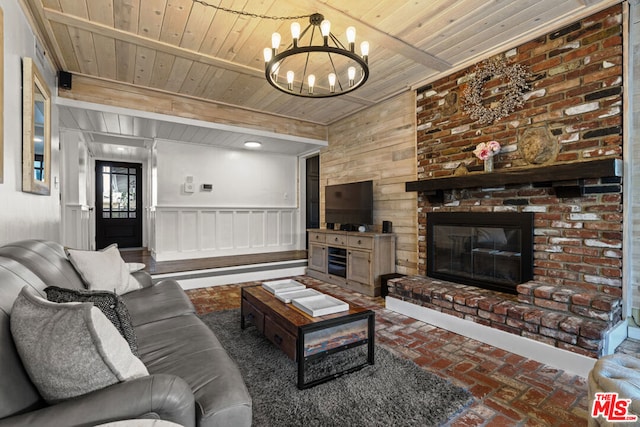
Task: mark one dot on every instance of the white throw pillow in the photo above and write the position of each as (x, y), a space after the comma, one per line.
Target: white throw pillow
(103, 270)
(69, 349)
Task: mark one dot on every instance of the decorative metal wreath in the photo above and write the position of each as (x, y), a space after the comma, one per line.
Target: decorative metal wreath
(514, 76)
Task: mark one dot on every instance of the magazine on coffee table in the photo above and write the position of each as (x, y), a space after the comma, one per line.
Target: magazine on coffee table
(320, 305)
(286, 297)
(278, 286)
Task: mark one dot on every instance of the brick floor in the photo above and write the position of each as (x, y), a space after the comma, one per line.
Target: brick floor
(509, 390)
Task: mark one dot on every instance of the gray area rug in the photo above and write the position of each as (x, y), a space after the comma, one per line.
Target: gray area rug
(393, 392)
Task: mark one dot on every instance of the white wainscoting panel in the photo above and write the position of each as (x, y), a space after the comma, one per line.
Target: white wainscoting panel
(76, 226)
(201, 232)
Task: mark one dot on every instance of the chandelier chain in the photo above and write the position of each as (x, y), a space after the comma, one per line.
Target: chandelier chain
(251, 15)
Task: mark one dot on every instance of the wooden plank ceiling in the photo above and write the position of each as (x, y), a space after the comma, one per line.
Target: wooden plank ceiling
(188, 48)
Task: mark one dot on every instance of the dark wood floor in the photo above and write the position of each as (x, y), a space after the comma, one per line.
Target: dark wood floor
(162, 267)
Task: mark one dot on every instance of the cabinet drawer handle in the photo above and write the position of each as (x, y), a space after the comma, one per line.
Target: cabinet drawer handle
(277, 339)
(335, 240)
(250, 316)
(359, 242)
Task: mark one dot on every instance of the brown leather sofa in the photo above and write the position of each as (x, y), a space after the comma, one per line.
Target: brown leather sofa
(192, 380)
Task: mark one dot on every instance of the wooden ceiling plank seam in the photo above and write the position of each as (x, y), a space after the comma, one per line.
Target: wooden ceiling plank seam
(459, 30)
(531, 12)
(196, 73)
(178, 74)
(175, 20)
(101, 11)
(151, 17)
(204, 82)
(388, 40)
(397, 20)
(145, 58)
(453, 14)
(197, 26)
(106, 60)
(244, 29)
(77, 8)
(125, 61)
(161, 69)
(497, 39)
(259, 37)
(126, 15)
(221, 26)
(63, 47)
(84, 48)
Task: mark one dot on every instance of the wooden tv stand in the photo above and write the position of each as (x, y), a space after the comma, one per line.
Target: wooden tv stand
(351, 259)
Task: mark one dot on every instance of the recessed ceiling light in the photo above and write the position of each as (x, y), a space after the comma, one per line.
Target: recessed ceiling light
(253, 144)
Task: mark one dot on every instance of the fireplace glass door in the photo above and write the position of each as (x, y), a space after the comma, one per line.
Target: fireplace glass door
(481, 253)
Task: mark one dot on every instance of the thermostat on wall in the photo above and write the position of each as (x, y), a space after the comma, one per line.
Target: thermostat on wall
(207, 187)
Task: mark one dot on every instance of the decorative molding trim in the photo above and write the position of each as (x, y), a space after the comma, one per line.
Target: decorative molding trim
(203, 232)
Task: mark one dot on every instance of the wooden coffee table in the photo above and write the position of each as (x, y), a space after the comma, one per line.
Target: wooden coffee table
(304, 338)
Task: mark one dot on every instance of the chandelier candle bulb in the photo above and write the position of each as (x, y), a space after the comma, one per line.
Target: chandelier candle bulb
(290, 78)
(332, 82)
(351, 37)
(364, 50)
(275, 42)
(295, 33)
(351, 72)
(325, 29)
(312, 82)
(268, 54)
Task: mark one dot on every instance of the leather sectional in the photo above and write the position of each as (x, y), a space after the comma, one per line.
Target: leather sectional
(192, 381)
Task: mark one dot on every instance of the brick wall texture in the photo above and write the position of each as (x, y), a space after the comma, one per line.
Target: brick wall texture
(575, 96)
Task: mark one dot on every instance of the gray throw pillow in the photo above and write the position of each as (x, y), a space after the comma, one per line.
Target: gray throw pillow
(108, 302)
(69, 349)
(103, 270)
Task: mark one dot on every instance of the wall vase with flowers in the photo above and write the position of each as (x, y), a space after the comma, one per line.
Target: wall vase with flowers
(485, 152)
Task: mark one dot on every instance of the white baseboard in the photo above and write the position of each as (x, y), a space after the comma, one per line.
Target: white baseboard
(237, 274)
(633, 332)
(576, 364)
(615, 337)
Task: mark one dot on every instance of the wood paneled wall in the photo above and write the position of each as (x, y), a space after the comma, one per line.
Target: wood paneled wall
(379, 144)
(115, 94)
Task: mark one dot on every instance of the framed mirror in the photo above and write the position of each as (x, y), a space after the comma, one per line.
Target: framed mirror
(36, 131)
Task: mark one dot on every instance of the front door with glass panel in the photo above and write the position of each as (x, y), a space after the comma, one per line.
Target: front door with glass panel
(118, 204)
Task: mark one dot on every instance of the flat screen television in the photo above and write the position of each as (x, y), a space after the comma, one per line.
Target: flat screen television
(349, 203)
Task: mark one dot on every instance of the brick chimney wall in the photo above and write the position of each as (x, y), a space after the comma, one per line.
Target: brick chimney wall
(575, 95)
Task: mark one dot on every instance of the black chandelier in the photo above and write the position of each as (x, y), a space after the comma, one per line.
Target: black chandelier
(316, 70)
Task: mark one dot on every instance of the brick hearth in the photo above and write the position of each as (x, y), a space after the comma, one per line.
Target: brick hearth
(568, 318)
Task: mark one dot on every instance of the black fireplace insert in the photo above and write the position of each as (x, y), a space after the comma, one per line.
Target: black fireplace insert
(491, 250)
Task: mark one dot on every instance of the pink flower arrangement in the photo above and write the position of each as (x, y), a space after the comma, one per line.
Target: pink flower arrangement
(484, 150)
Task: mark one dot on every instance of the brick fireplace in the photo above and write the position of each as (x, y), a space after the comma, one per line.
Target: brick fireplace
(574, 106)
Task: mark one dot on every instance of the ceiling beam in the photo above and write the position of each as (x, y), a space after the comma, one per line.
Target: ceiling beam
(392, 43)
